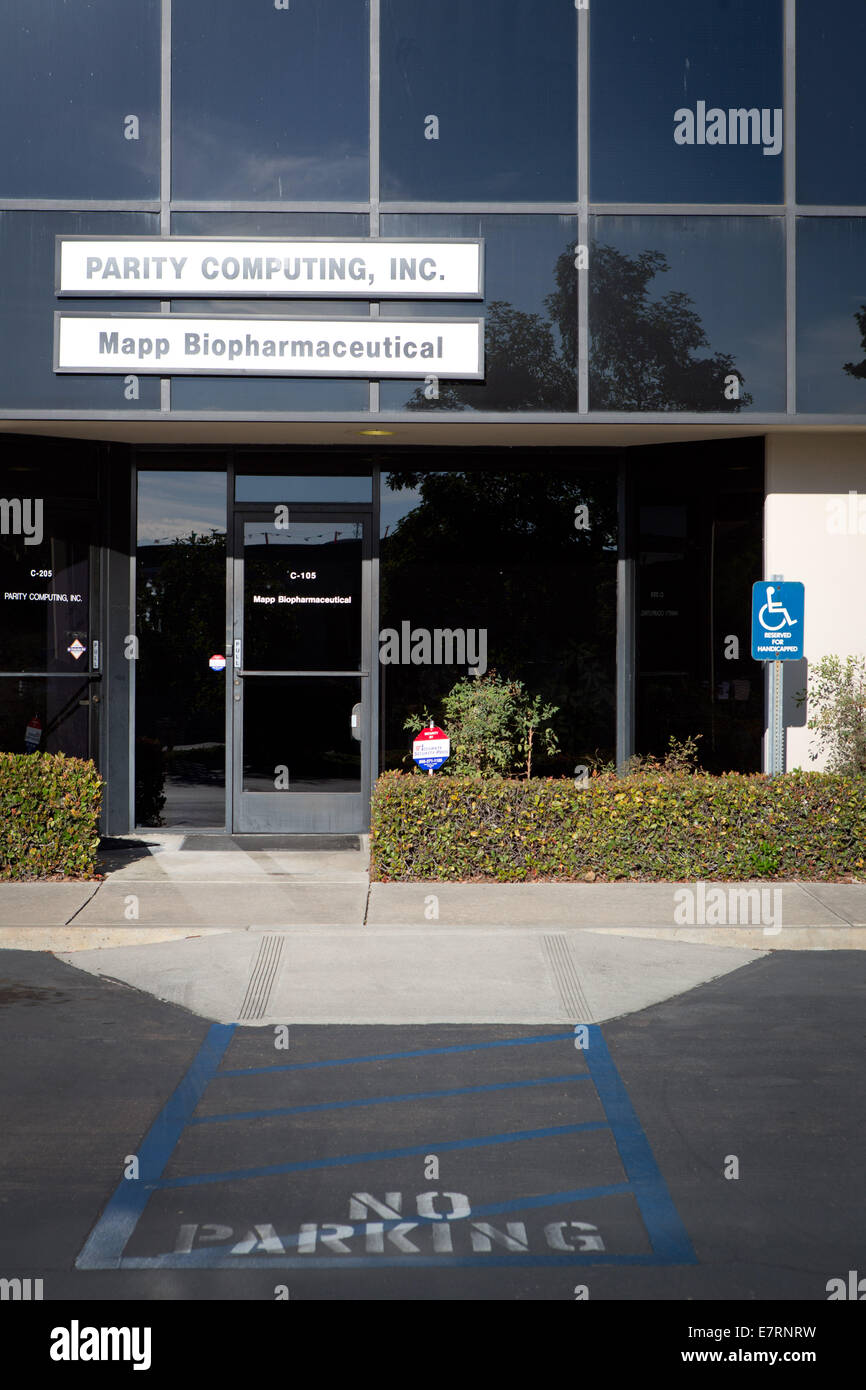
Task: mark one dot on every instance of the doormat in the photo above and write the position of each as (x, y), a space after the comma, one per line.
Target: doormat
(276, 843)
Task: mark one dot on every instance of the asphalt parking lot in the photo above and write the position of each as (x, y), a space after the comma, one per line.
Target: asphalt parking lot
(499, 1147)
(703, 1148)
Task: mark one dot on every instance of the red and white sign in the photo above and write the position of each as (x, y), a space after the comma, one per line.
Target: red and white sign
(76, 649)
(217, 662)
(431, 748)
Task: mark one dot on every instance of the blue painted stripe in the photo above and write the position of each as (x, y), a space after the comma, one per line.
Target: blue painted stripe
(386, 1100)
(104, 1246)
(514, 1204)
(397, 1056)
(346, 1160)
(666, 1231)
(545, 1199)
(211, 1259)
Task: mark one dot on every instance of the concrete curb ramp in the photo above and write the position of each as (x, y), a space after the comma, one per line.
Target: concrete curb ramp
(412, 975)
(282, 938)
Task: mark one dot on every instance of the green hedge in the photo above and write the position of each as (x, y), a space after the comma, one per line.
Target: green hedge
(49, 813)
(649, 826)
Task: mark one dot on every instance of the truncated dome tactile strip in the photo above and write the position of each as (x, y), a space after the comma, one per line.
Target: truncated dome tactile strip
(263, 976)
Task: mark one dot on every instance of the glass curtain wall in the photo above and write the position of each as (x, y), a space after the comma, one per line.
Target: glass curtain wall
(180, 701)
(699, 528)
(49, 530)
(504, 570)
(659, 284)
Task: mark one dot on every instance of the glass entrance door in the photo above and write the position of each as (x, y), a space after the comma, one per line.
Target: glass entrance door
(300, 690)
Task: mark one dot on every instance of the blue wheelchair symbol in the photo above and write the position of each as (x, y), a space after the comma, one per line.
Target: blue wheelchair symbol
(776, 607)
(777, 620)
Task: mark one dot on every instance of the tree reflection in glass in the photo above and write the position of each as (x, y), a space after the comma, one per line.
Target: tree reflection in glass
(644, 356)
(503, 552)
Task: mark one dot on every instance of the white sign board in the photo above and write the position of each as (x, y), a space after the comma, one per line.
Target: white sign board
(226, 345)
(208, 267)
(436, 749)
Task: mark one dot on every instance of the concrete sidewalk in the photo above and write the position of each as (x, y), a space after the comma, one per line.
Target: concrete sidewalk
(241, 930)
(166, 884)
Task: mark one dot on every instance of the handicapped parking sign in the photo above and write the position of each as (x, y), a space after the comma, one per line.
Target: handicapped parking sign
(778, 607)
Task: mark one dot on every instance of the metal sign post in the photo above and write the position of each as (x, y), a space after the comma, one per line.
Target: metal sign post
(778, 610)
(777, 723)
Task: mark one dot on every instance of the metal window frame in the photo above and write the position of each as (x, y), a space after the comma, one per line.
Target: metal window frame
(367, 514)
(374, 208)
(789, 211)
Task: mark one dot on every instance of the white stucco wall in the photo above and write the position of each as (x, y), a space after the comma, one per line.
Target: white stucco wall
(808, 535)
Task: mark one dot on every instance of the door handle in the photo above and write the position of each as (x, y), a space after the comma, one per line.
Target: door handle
(356, 722)
(238, 656)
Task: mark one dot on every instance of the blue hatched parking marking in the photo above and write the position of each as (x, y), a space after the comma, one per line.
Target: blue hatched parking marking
(384, 1100)
(105, 1245)
(670, 1243)
(204, 1259)
(438, 1146)
(665, 1229)
(396, 1056)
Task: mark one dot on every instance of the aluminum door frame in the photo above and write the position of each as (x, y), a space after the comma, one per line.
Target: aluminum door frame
(300, 813)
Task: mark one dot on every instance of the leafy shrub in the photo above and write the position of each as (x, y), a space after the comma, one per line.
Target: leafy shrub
(837, 704)
(647, 826)
(49, 816)
(494, 726)
(681, 756)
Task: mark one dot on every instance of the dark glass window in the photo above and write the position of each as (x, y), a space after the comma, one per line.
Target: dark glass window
(326, 759)
(47, 528)
(530, 313)
(479, 100)
(45, 716)
(294, 487)
(72, 77)
(45, 584)
(302, 594)
(831, 314)
(687, 313)
(268, 393)
(270, 103)
(522, 564)
(180, 699)
(699, 522)
(831, 117)
(672, 90)
(28, 302)
(46, 467)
